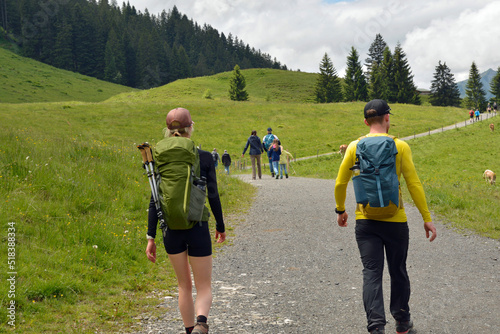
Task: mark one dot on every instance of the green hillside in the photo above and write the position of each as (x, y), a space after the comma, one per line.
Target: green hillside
(261, 84)
(25, 80)
(73, 188)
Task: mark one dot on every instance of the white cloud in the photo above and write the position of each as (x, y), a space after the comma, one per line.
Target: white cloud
(299, 32)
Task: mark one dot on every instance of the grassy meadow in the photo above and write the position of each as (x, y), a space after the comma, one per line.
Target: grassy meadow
(26, 80)
(73, 188)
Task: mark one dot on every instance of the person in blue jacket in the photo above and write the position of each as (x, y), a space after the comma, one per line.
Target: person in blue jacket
(255, 152)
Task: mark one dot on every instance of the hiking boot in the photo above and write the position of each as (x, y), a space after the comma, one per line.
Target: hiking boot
(272, 174)
(286, 176)
(277, 176)
(403, 327)
(200, 328)
(377, 331)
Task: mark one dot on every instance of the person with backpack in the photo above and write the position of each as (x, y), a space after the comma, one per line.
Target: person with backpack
(216, 157)
(376, 162)
(267, 141)
(226, 161)
(471, 115)
(255, 152)
(186, 240)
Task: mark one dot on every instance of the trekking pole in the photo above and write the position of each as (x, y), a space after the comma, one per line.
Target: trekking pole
(148, 164)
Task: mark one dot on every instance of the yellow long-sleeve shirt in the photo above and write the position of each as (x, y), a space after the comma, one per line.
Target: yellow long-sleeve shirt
(404, 166)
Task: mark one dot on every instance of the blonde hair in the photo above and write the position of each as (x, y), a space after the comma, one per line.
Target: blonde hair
(178, 132)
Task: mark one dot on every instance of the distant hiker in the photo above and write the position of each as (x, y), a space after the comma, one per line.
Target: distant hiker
(284, 161)
(190, 249)
(216, 157)
(255, 151)
(471, 114)
(267, 141)
(226, 161)
(489, 108)
(389, 230)
(477, 113)
(495, 106)
(275, 157)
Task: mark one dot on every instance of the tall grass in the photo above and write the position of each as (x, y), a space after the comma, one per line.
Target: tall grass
(79, 202)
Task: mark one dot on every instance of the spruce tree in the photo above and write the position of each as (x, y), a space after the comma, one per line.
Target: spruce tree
(475, 94)
(237, 86)
(355, 86)
(328, 87)
(405, 89)
(495, 86)
(386, 73)
(376, 83)
(444, 89)
(375, 53)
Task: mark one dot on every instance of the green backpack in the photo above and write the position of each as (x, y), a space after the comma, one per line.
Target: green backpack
(181, 190)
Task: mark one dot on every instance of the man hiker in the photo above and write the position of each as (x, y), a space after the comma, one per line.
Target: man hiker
(216, 157)
(389, 230)
(226, 161)
(267, 142)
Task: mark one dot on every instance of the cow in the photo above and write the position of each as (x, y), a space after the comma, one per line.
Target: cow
(492, 127)
(342, 149)
(489, 176)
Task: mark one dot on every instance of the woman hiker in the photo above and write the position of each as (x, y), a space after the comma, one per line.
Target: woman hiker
(255, 152)
(192, 247)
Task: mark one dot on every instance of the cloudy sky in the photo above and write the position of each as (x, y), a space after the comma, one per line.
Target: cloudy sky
(299, 32)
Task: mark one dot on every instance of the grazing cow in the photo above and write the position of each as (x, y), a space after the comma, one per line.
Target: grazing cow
(492, 127)
(342, 149)
(489, 176)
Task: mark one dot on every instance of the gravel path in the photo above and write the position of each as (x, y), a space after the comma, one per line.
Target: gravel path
(291, 269)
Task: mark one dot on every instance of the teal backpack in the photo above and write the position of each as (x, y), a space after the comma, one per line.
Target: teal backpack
(376, 184)
(181, 190)
(268, 140)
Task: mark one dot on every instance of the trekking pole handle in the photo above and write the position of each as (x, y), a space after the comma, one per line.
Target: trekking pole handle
(143, 153)
(149, 154)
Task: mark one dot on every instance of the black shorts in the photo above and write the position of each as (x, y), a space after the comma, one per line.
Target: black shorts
(196, 241)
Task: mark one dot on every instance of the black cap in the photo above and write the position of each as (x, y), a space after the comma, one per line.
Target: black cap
(380, 106)
(269, 129)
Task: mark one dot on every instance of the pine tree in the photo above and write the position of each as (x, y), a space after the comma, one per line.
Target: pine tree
(475, 94)
(376, 83)
(375, 53)
(237, 86)
(495, 86)
(63, 52)
(386, 79)
(328, 87)
(355, 86)
(114, 57)
(444, 89)
(406, 91)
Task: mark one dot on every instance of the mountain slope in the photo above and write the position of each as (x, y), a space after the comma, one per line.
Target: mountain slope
(486, 78)
(25, 80)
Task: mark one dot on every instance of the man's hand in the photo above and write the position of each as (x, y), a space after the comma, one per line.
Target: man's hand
(151, 250)
(429, 227)
(220, 237)
(342, 219)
